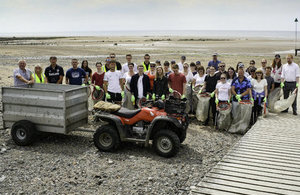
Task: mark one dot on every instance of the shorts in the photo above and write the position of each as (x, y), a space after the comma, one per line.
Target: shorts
(115, 97)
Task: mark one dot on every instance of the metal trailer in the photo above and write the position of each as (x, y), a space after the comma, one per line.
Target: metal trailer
(43, 107)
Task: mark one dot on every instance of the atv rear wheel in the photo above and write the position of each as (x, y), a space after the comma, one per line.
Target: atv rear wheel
(166, 143)
(23, 132)
(106, 138)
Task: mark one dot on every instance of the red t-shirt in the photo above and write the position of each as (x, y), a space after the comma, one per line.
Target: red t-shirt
(97, 79)
(151, 78)
(176, 81)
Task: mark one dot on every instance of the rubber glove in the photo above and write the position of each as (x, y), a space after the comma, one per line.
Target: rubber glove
(217, 101)
(147, 96)
(89, 82)
(97, 87)
(153, 96)
(297, 85)
(238, 97)
(228, 101)
(193, 87)
(163, 97)
(132, 98)
(83, 85)
(200, 91)
(183, 96)
(265, 99)
(107, 96)
(122, 94)
(171, 90)
(281, 85)
(252, 100)
(212, 94)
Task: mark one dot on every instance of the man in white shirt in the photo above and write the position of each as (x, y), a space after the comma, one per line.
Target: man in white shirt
(113, 84)
(180, 64)
(264, 65)
(290, 80)
(125, 67)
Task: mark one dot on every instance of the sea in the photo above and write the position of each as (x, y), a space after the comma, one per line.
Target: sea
(291, 35)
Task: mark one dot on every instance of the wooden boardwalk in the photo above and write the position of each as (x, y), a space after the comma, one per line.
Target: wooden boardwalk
(265, 161)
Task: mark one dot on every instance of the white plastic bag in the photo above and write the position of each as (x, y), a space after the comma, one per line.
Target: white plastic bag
(224, 116)
(202, 107)
(274, 96)
(284, 104)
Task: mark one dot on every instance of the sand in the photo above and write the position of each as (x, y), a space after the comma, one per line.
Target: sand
(38, 50)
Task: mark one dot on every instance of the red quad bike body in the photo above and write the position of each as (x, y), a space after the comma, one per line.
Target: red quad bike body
(164, 124)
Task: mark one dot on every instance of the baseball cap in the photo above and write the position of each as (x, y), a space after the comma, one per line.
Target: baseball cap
(215, 54)
(198, 62)
(173, 62)
(157, 61)
(277, 56)
(241, 65)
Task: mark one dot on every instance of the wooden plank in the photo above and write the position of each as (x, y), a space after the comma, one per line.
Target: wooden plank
(267, 152)
(255, 154)
(271, 164)
(265, 143)
(277, 142)
(258, 175)
(266, 158)
(277, 138)
(257, 166)
(258, 147)
(231, 189)
(269, 186)
(205, 190)
(266, 149)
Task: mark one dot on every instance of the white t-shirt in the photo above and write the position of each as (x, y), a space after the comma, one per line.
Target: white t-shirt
(199, 80)
(140, 87)
(223, 89)
(290, 72)
(113, 79)
(180, 65)
(126, 69)
(276, 74)
(189, 77)
(127, 79)
(258, 87)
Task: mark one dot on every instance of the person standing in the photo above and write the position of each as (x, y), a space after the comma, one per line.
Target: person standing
(269, 79)
(290, 80)
(22, 75)
(160, 87)
(221, 70)
(167, 69)
(187, 73)
(181, 63)
(199, 78)
(112, 56)
(88, 71)
(252, 64)
(38, 75)
(151, 75)
(54, 73)
(209, 86)
(223, 90)
(97, 80)
(139, 85)
(125, 67)
(276, 70)
(75, 74)
(146, 63)
(214, 62)
(193, 68)
(177, 81)
(113, 84)
(128, 75)
(231, 75)
(241, 86)
(259, 92)
(263, 65)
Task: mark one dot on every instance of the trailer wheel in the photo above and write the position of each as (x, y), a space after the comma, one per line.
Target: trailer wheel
(106, 138)
(166, 143)
(23, 132)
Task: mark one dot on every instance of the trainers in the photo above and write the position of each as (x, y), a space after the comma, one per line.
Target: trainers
(295, 113)
(284, 111)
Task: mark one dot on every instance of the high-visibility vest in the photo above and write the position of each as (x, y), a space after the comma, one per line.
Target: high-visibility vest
(37, 79)
(145, 67)
(104, 69)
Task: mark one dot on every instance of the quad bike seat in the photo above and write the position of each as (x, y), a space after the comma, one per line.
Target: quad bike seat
(126, 113)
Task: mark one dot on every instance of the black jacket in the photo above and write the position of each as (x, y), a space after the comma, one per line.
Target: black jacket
(134, 85)
(160, 86)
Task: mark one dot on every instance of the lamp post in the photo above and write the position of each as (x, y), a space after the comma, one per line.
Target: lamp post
(296, 21)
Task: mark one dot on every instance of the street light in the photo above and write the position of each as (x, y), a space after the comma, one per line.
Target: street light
(296, 21)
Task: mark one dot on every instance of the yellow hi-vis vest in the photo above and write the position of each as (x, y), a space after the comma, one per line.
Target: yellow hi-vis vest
(104, 69)
(37, 79)
(145, 67)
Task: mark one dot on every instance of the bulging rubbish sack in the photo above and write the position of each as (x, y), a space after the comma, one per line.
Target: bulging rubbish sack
(106, 106)
(241, 116)
(274, 96)
(224, 116)
(284, 104)
(202, 107)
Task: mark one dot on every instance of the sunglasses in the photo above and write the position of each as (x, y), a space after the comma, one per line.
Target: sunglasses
(147, 58)
(152, 66)
(222, 66)
(263, 62)
(252, 63)
(222, 78)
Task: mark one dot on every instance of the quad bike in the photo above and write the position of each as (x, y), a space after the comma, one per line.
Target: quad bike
(163, 123)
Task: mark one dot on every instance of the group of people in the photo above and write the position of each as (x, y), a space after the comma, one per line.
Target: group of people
(126, 84)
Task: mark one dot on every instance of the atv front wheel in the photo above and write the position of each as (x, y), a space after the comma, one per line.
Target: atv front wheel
(106, 138)
(166, 143)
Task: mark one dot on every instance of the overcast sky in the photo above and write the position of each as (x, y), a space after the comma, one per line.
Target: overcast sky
(107, 15)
